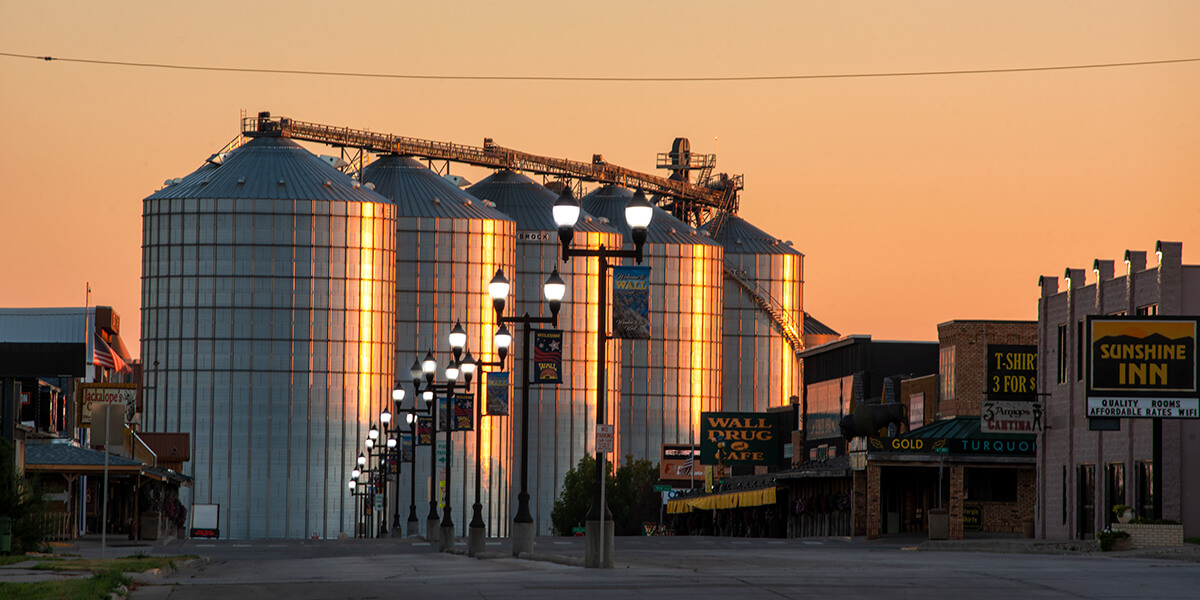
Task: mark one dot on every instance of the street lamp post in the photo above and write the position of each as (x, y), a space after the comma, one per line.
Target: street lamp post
(416, 372)
(432, 522)
(478, 528)
(554, 288)
(397, 400)
(638, 213)
(451, 371)
(372, 479)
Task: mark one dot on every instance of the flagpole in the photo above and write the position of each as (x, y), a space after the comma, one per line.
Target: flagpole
(87, 330)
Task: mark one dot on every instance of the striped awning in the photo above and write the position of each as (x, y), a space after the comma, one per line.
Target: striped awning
(757, 497)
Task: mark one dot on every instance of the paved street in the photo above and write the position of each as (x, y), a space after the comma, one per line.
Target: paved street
(666, 567)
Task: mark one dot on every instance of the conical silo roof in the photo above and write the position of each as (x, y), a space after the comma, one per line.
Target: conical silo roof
(419, 192)
(609, 202)
(529, 202)
(740, 237)
(270, 168)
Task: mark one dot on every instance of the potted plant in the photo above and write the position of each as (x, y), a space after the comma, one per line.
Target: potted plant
(1124, 513)
(1114, 540)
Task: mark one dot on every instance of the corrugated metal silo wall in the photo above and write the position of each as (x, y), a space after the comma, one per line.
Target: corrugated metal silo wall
(761, 369)
(266, 334)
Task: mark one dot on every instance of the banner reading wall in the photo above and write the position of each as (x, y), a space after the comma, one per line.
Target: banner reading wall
(497, 394)
(424, 430)
(631, 302)
(547, 356)
(1142, 367)
(464, 412)
(407, 452)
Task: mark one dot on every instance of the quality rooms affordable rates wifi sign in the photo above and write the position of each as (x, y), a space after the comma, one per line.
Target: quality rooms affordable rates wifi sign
(1142, 367)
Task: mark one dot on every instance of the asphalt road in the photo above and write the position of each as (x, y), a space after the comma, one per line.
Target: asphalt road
(668, 567)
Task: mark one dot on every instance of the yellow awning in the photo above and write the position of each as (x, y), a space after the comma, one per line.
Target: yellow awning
(757, 497)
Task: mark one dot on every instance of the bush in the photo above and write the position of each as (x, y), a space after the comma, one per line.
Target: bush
(22, 501)
(1108, 536)
(629, 494)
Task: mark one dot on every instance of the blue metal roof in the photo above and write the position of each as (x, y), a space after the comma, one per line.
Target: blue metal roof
(609, 202)
(270, 168)
(528, 202)
(59, 454)
(740, 237)
(419, 192)
(961, 428)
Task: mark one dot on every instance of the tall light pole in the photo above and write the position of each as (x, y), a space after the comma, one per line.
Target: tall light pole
(477, 529)
(372, 478)
(416, 372)
(397, 401)
(447, 522)
(554, 288)
(638, 213)
(432, 522)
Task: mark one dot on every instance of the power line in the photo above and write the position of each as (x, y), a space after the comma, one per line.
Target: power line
(598, 79)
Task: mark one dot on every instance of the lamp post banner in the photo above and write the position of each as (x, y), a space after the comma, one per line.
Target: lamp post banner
(444, 421)
(497, 394)
(464, 412)
(407, 452)
(631, 302)
(547, 356)
(424, 430)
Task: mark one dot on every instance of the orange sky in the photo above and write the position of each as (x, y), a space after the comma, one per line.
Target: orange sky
(916, 200)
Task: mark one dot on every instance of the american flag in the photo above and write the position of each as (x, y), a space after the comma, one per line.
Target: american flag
(103, 356)
(688, 464)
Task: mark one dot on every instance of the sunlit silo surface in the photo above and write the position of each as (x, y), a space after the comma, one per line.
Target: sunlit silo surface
(562, 418)
(764, 280)
(267, 333)
(669, 379)
(449, 245)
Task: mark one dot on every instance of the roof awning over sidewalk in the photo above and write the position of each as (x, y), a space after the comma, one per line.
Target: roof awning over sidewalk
(744, 499)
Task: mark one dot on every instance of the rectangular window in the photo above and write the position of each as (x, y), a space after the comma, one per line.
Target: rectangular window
(1062, 353)
(990, 485)
(1145, 489)
(1064, 494)
(1148, 310)
(1114, 488)
(946, 374)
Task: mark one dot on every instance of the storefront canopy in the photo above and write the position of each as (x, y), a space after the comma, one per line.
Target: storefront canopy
(759, 497)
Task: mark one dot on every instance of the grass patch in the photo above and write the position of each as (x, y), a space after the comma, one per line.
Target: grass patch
(96, 587)
(1191, 540)
(14, 559)
(128, 564)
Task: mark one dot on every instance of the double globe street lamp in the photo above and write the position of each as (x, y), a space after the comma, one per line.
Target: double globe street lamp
(553, 289)
(478, 528)
(638, 213)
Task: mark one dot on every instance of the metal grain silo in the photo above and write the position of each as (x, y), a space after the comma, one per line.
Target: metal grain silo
(764, 283)
(449, 245)
(669, 379)
(562, 418)
(267, 309)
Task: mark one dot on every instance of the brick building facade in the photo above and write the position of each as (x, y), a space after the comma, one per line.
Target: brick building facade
(1083, 472)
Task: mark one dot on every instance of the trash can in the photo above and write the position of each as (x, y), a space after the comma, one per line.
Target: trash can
(5, 535)
(939, 524)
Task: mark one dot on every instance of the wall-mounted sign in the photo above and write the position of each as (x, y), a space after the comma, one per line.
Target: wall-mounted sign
(1010, 417)
(740, 438)
(678, 462)
(982, 446)
(1142, 367)
(972, 517)
(1012, 372)
(93, 393)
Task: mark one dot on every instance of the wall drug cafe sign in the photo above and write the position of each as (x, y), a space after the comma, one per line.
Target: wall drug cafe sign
(737, 438)
(1142, 367)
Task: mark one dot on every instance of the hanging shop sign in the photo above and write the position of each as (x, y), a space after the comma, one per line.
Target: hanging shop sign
(464, 412)
(740, 438)
(497, 394)
(981, 446)
(1142, 367)
(547, 356)
(999, 416)
(631, 302)
(1012, 372)
(424, 430)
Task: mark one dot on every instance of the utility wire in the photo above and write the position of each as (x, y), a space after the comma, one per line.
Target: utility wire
(598, 79)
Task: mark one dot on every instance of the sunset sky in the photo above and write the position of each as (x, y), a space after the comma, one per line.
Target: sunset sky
(916, 199)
